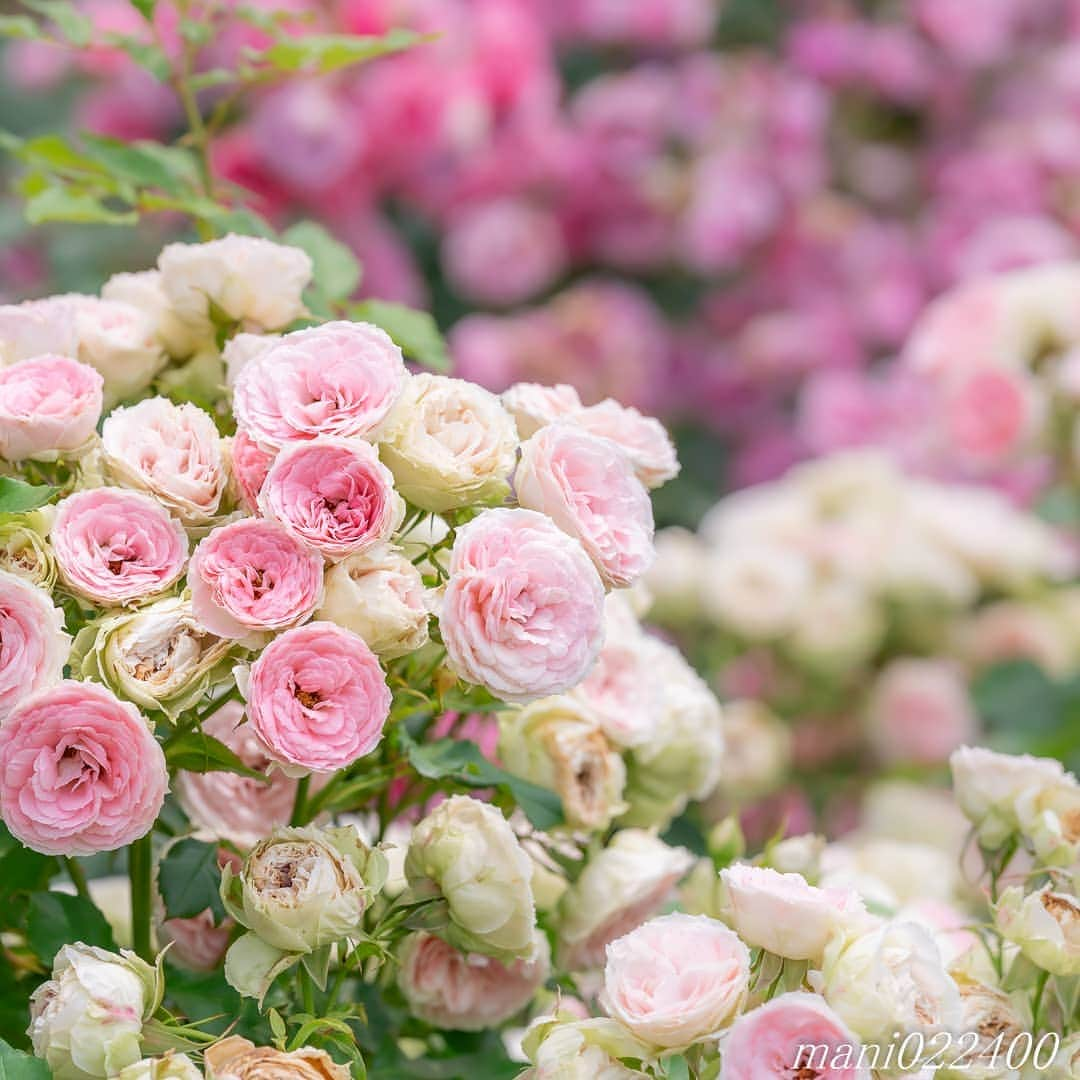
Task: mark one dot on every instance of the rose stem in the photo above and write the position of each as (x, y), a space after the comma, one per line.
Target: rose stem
(140, 865)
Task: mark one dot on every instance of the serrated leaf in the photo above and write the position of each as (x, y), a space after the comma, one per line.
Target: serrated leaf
(15, 1065)
(323, 53)
(189, 880)
(198, 752)
(415, 332)
(17, 497)
(337, 272)
(55, 919)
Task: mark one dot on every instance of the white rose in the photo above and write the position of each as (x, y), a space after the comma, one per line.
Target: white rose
(240, 349)
(564, 1049)
(170, 1066)
(838, 627)
(621, 886)
(87, 1020)
(449, 443)
(144, 291)
(1046, 926)
(251, 281)
(380, 596)
(891, 872)
(890, 980)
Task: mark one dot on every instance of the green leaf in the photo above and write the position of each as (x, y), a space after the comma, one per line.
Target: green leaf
(148, 164)
(337, 273)
(147, 56)
(17, 497)
(189, 880)
(19, 26)
(21, 870)
(57, 202)
(677, 1068)
(15, 1065)
(71, 22)
(201, 753)
(323, 53)
(55, 919)
(461, 761)
(415, 332)
(145, 8)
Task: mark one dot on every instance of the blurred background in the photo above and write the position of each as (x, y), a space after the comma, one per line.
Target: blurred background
(828, 242)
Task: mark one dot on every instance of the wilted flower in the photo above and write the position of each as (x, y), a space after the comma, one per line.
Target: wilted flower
(87, 1020)
(1046, 926)
(466, 852)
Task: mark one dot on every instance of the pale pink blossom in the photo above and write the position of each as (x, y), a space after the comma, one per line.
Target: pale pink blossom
(253, 575)
(49, 404)
(642, 438)
(33, 644)
(249, 466)
(113, 546)
(523, 612)
(587, 486)
(317, 698)
(534, 406)
(990, 412)
(334, 495)
(82, 771)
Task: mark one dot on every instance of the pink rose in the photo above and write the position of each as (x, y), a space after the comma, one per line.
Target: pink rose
(33, 644)
(82, 772)
(920, 712)
(174, 452)
(523, 612)
(642, 438)
(252, 575)
(338, 379)
(466, 991)
(534, 406)
(196, 943)
(47, 404)
(228, 806)
(317, 698)
(990, 412)
(795, 1034)
(333, 494)
(676, 979)
(250, 465)
(783, 913)
(587, 486)
(114, 546)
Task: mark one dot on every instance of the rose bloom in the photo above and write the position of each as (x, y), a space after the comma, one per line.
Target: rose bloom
(449, 443)
(170, 1066)
(534, 406)
(379, 595)
(195, 942)
(49, 404)
(172, 451)
(467, 992)
(249, 465)
(114, 546)
(252, 575)
(523, 611)
(642, 438)
(228, 806)
(334, 495)
(143, 290)
(242, 348)
(317, 698)
(587, 485)
(33, 643)
(1046, 926)
(339, 380)
(676, 979)
(235, 1058)
(82, 772)
(621, 886)
(87, 1019)
(587, 1049)
(795, 1034)
(557, 743)
(991, 412)
(920, 711)
(466, 851)
(252, 281)
(24, 547)
(784, 914)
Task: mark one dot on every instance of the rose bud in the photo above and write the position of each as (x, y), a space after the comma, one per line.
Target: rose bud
(114, 546)
(621, 886)
(87, 1019)
(159, 657)
(170, 1066)
(591, 1049)
(251, 281)
(449, 443)
(235, 1058)
(1046, 926)
(465, 991)
(173, 452)
(380, 596)
(558, 744)
(466, 852)
(33, 643)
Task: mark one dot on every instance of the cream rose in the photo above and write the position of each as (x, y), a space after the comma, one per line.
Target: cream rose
(1046, 926)
(144, 291)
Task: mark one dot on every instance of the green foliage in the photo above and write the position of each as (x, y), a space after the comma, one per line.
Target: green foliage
(415, 332)
(15, 1065)
(320, 54)
(337, 272)
(21, 870)
(17, 496)
(55, 919)
(197, 752)
(189, 880)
